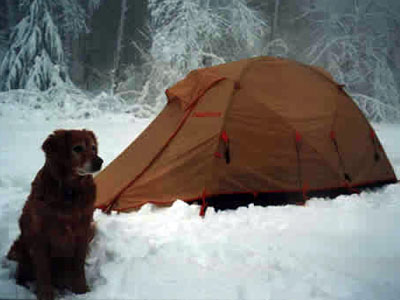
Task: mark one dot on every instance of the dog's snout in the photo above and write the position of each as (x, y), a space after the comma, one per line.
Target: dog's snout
(96, 164)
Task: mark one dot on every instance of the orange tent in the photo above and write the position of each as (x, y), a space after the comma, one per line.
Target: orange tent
(262, 130)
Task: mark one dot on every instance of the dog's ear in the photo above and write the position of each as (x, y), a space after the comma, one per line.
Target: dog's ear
(92, 135)
(51, 144)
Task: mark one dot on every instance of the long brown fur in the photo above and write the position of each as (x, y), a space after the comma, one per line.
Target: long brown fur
(56, 220)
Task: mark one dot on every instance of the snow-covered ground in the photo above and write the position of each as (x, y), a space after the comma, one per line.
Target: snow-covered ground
(347, 248)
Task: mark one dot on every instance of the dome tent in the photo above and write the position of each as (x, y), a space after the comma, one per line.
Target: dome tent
(263, 130)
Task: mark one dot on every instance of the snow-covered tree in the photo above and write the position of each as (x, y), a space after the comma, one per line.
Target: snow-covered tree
(183, 31)
(186, 32)
(190, 34)
(115, 74)
(3, 43)
(35, 59)
(245, 32)
(351, 40)
(72, 18)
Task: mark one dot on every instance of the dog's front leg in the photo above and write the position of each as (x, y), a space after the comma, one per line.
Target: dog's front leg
(78, 282)
(41, 261)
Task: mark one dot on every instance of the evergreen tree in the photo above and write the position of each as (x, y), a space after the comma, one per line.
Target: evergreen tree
(35, 59)
(36, 56)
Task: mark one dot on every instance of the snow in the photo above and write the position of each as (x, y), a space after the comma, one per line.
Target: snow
(346, 248)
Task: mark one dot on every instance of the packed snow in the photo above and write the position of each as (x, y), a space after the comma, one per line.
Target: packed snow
(346, 248)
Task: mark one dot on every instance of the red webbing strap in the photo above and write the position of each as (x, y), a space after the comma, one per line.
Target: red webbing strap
(205, 114)
(351, 189)
(218, 155)
(305, 191)
(108, 208)
(225, 139)
(204, 204)
(332, 135)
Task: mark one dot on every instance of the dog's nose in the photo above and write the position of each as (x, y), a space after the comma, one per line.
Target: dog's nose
(97, 162)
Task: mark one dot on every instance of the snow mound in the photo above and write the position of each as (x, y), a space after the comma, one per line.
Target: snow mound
(345, 248)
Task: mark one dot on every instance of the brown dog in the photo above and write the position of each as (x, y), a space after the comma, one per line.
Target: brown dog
(56, 220)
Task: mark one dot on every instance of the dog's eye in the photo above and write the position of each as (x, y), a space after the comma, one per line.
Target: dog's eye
(78, 149)
(94, 148)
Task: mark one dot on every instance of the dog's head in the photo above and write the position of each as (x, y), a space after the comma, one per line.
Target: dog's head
(72, 152)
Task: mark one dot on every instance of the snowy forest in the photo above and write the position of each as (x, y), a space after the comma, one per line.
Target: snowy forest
(81, 58)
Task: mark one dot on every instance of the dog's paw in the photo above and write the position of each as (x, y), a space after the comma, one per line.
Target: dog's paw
(45, 293)
(79, 287)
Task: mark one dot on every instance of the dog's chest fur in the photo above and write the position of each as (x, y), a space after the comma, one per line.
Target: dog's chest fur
(68, 210)
(72, 216)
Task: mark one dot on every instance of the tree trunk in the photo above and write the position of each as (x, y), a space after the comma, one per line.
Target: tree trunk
(275, 20)
(11, 14)
(117, 57)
